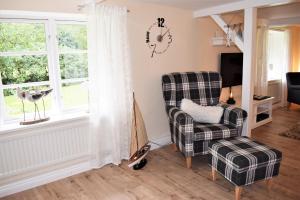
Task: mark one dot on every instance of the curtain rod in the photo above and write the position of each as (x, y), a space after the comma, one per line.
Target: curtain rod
(81, 6)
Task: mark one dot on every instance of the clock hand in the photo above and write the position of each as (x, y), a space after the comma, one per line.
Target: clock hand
(165, 33)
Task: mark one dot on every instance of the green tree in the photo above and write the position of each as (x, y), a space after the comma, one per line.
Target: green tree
(20, 37)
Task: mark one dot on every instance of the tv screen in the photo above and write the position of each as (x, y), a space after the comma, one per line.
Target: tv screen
(231, 69)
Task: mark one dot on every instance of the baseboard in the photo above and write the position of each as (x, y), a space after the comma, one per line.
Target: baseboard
(42, 179)
(161, 141)
(277, 105)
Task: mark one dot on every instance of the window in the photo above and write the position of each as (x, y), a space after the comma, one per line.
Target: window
(39, 55)
(72, 48)
(277, 47)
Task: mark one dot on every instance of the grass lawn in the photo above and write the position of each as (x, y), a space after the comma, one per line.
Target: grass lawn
(73, 95)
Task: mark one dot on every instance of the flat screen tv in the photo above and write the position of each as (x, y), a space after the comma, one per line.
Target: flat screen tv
(231, 69)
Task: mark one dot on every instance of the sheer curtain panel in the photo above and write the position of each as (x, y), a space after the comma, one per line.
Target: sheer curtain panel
(110, 91)
(261, 78)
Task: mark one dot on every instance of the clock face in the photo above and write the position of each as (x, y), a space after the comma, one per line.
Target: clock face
(158, 37)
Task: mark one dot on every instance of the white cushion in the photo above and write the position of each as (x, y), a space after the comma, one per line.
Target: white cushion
(204, 114)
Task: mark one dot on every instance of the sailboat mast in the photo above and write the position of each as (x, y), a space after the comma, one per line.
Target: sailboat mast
(136, 134)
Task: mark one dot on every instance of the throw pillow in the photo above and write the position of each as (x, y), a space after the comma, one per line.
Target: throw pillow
(204, 114)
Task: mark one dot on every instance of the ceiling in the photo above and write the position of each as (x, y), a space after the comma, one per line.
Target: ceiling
(189, 4)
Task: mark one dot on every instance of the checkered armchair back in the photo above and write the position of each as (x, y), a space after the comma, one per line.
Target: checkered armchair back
(203, 88)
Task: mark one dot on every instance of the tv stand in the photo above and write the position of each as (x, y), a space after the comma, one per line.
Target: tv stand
(262, 112)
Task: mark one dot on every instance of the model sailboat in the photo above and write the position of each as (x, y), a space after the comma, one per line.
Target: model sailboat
(139, 140)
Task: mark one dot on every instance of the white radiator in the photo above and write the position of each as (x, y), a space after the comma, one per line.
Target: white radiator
(33, 149)
(274, 90)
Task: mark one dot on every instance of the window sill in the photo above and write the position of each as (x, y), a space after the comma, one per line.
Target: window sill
(4, 129)
(274, 81)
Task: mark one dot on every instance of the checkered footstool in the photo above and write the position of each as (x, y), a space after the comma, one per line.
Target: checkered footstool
(243, 161)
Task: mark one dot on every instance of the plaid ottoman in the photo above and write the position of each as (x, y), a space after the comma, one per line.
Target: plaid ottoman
(243, 161)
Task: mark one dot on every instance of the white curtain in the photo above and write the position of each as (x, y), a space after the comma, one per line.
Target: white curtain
(261, 76)
(286, 66)
(110, 84)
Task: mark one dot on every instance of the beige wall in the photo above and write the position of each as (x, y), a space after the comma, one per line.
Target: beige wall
(181, 56)
(295, 48)
(280, 11)
(147, 71)
(209, 55)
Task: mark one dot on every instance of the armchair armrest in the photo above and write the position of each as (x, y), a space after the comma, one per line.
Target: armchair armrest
(234, 116)
(176, 114)
(294, 87)
(183, 125)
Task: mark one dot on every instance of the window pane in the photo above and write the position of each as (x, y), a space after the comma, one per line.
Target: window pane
(73, 66)
(75, 95)
(14, 106)
(72, 36)
(277, 47)
(22, 37)
(23, 69)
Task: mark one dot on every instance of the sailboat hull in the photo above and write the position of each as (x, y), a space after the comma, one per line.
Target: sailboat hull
(139, 156)
(140, 165)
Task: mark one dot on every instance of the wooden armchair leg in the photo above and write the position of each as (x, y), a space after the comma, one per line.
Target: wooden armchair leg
(174, 147)
(189, 162)
(213, 173)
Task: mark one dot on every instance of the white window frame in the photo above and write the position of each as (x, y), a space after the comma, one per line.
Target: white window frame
(273, 79)
(50, 20)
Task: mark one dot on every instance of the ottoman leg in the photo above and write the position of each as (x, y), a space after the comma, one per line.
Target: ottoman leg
(238, 191)
(213, 173)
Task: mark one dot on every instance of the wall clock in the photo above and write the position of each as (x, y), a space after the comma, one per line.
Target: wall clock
(158, 37)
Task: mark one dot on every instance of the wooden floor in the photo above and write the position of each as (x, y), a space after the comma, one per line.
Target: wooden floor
(166, 177)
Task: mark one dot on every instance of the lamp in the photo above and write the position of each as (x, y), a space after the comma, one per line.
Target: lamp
(230, 100)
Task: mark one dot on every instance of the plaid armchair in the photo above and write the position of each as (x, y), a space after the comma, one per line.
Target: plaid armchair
(203, 88)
